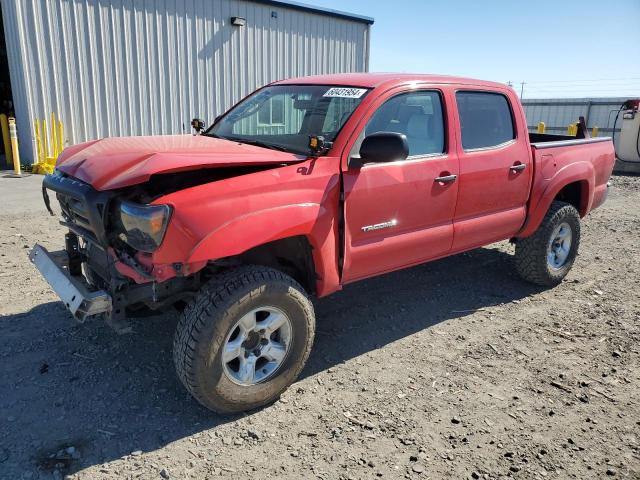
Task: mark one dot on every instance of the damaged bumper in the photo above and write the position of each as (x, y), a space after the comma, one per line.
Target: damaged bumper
(74, 291)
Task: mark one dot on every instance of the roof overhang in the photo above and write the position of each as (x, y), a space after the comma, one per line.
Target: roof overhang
(319, 10)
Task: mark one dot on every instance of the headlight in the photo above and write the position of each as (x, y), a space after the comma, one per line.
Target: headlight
(143, 226)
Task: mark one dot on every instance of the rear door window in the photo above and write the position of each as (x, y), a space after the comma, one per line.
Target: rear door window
(485, 119)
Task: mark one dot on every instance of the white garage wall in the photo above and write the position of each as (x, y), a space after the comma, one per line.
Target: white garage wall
(134, 67)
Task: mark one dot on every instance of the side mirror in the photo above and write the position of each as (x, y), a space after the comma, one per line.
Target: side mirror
(384, 147)
(198, 125)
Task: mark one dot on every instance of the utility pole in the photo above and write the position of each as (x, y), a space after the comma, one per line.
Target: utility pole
(522, 89)
(510, 83)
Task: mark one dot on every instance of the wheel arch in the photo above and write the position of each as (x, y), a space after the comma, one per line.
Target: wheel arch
(577, 194)
(290, 255)
(574, 184)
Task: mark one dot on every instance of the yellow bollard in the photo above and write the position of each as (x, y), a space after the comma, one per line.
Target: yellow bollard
(572, 129)
(594, 132)
(37, 166)
(39, 153)
(13, 134)
(61, 139)
(49, 143)
(54, 137)
(541, 127)
(45, 139)
(4, 125)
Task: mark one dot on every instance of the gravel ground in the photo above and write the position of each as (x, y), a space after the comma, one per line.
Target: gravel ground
(454, 369)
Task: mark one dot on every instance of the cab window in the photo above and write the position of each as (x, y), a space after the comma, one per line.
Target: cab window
(485, 119)
(418, 115)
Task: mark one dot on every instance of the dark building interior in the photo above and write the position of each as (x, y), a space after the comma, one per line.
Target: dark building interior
(6, 101)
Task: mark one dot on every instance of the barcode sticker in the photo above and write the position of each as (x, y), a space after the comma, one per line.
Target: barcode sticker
(345, 92)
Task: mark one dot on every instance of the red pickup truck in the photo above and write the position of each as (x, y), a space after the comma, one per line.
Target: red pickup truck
(304, 186)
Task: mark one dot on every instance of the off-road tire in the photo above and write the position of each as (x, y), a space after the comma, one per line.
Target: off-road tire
(206, 322)
(531, 252)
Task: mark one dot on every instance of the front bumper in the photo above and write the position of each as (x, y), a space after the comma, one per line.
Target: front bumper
(74, 291)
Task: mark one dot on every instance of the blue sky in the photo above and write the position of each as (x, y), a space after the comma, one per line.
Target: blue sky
(559, 48)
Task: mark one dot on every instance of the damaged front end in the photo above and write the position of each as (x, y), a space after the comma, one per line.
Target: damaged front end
(106, 267)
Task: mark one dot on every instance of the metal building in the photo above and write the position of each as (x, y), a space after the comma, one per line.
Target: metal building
(558, 113)
(132, 67)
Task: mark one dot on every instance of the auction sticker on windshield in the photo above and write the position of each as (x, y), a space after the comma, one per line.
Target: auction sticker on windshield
(343, 92)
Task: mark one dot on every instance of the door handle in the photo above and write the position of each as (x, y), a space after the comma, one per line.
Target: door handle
(446, 179)
(518, 167)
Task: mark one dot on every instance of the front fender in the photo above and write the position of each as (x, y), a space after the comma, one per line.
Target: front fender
(243, 233)
(545, 191)
(229, 217)
(256, 228)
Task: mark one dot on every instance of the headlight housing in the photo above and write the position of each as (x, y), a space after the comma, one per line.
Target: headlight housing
(142, 226)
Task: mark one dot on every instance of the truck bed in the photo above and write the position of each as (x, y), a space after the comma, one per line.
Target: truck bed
(560, 160)
(540, 140)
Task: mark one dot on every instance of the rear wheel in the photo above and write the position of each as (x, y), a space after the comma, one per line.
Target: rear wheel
(546, 257)
(244, 339)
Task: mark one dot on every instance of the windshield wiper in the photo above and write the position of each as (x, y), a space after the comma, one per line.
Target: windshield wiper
(259, 143)
(212, 135)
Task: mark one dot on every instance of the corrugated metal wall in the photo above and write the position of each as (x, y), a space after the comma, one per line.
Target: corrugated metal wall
(146, 67)
(558, 113)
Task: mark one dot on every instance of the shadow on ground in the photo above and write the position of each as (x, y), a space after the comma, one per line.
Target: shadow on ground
(65, 384)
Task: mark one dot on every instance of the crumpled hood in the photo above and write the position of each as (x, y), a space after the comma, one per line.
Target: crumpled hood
(122, 161)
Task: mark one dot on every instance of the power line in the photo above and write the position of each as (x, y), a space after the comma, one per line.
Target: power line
(611, 93)
(582, 80)
(585, 94)
(603, 85)
(619, 98)
(637, 89)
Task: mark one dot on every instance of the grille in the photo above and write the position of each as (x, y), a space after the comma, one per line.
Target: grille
(83, 208)
(75, 212)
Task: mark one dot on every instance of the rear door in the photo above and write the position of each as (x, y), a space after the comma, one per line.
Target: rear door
(495, 168)
(396, 213)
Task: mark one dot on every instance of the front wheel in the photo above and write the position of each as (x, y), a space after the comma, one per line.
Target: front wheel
(546, 257)
(244, 339)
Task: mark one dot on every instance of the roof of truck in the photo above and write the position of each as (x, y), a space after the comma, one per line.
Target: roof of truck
(372, 80)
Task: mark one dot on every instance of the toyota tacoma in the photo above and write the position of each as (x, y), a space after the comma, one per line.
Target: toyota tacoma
(304, 186)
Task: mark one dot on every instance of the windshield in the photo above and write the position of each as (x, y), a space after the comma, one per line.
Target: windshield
(283, 117)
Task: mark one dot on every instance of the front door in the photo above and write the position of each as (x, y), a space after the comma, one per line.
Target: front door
(495, 169)
(397, 213)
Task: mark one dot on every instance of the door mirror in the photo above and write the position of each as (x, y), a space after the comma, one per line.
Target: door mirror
(384, 147)
(198, 125)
